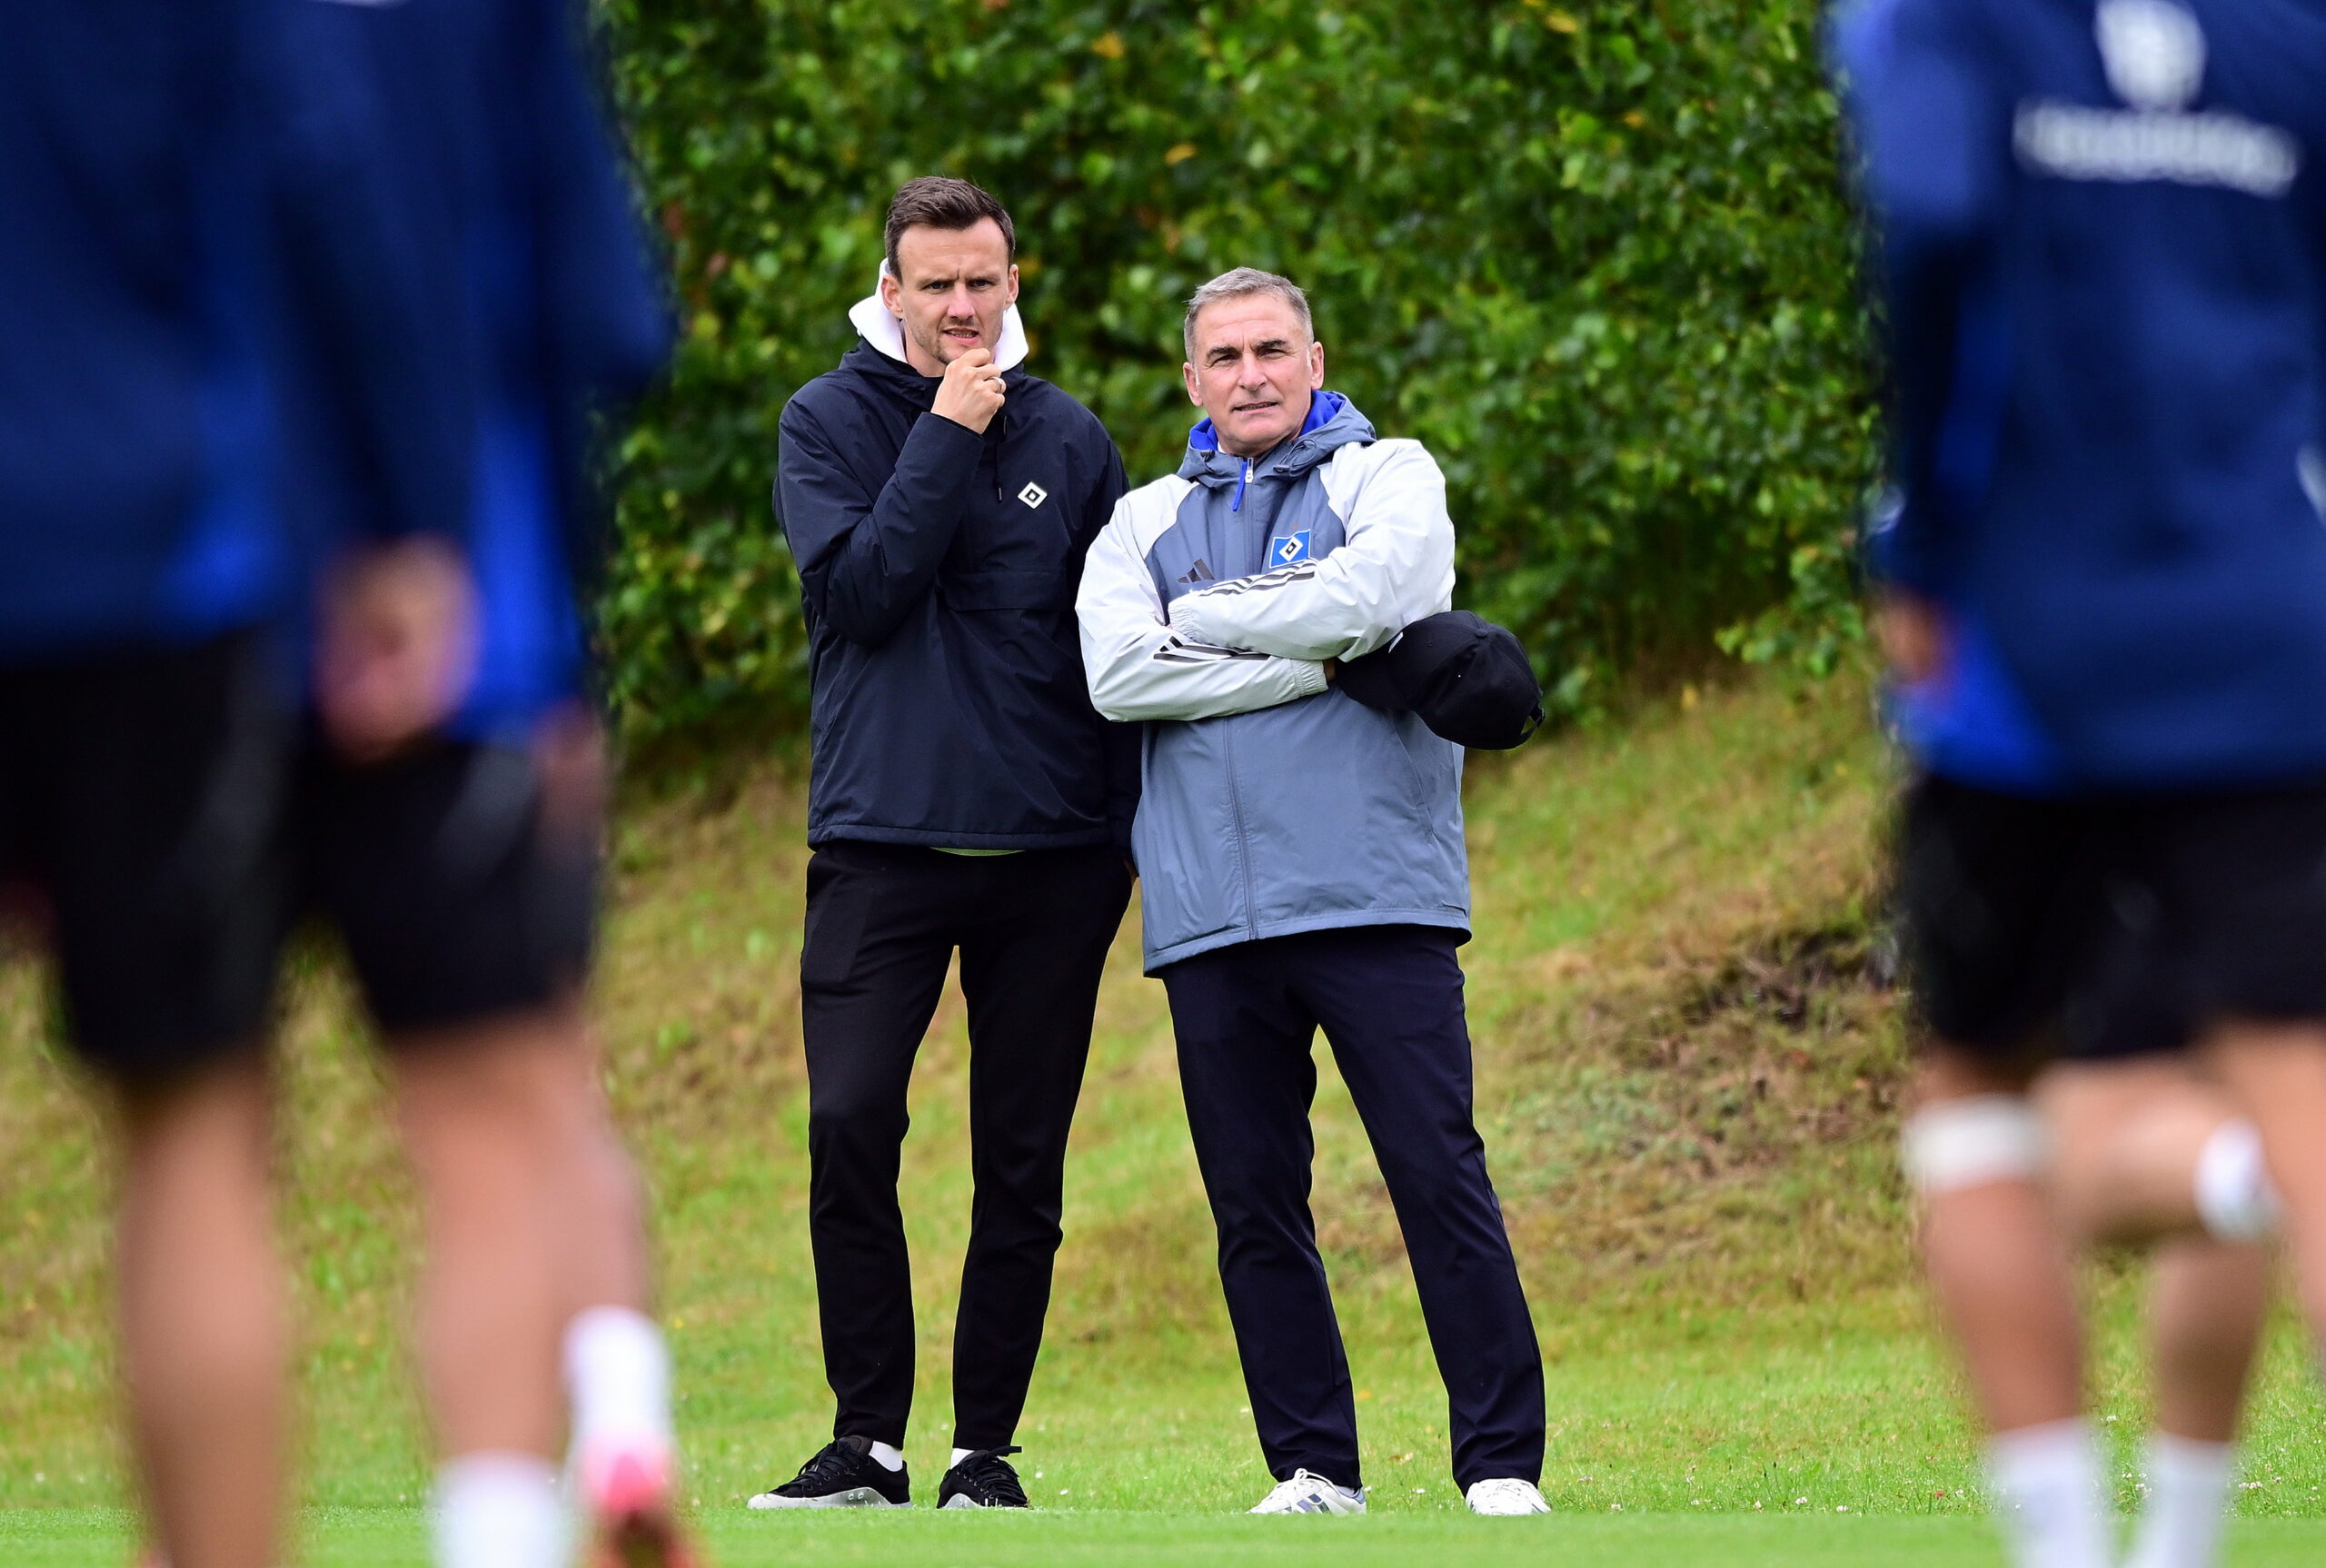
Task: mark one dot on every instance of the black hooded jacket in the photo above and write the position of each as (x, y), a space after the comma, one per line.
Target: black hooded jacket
(939, 570)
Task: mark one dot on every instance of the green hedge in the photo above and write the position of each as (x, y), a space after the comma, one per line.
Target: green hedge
(1595, 254)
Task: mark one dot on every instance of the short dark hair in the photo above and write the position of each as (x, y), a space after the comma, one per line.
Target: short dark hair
(937, 202)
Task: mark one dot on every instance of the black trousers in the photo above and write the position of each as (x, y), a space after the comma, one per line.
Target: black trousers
(883, 923)
(1390, 998)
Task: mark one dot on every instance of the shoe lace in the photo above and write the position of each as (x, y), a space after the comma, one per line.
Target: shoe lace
(1302, 1483)
(990, 1472)
(835, 1461)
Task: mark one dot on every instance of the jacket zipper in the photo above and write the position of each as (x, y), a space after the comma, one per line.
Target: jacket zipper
(1235, 793)
(1243, 853)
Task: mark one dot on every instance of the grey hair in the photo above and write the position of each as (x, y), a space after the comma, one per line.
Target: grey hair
(1235, 285)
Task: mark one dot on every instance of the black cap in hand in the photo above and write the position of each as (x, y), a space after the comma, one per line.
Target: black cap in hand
(1466, 678)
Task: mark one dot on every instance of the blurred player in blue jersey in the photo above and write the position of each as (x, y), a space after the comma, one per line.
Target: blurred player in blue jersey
(2103, 251)
(461, 871)
(147, 717)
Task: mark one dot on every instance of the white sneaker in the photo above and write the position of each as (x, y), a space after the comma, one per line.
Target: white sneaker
(1308, 1493)
(1506, 1496)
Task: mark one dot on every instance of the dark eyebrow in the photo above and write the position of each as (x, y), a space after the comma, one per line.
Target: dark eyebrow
(1226, 351)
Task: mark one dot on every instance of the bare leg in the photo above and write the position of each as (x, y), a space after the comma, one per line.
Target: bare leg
(2001, 1275)
(2277, 1075)
(2205, 1309)
(2130, 1140)
(538, 1254)
(481, 1113)
(617, 1366)
(2130, 1137)
(604, 1260)
(1999, 1270)
(202, 1316)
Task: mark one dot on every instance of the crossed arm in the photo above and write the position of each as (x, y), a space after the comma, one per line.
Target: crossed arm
(1141, 667)
(1258, 642)
(1395, 567)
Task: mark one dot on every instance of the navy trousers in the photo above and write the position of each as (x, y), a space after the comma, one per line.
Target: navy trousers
(1389, 1000)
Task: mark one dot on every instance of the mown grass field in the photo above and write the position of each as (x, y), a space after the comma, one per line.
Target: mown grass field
(1687, 1065)
(362, 1538)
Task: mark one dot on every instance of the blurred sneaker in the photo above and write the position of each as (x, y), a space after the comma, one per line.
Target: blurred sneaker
(1506, 1498)
(1308, 1493)
(628, 1492)
(843, 1475)
(983, 1479)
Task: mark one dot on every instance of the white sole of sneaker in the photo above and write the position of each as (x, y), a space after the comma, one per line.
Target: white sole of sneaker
(854, 1497)
(960, 1501)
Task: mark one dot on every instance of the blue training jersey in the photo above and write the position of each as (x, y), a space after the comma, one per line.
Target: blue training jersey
(2103, 246)
(136, 425)
(536, 304)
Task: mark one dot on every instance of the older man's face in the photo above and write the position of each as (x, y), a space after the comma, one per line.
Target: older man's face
(1254, 369)
(958, 287)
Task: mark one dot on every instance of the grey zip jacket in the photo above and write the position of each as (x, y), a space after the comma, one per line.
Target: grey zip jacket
(1273, 804)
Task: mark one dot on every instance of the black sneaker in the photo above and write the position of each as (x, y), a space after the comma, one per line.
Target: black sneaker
(983, 1480)
(844, 1475)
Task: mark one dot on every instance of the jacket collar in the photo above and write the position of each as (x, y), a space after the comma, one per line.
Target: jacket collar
(1333, 423)
(877, 327)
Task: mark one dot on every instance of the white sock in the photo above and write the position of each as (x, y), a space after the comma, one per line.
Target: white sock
(2235, 1197)
(959, 1454)
(2188, 1494)
(498, 1511)
(2048, 1492)
(618, 1376)
(888, 1457)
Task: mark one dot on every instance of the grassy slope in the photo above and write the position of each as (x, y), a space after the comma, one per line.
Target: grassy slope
(1683, 1076)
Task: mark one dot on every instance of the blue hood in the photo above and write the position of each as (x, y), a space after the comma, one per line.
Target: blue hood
(1329, 414)
(1333, 423)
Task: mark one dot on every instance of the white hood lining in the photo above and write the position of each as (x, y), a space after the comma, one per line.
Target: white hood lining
(885, 332)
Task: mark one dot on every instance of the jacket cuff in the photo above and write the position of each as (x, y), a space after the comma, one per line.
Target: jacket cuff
(1185, 618)
(1312, 677)
(955, 440)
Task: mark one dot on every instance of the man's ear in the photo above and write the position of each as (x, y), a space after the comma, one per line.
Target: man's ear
(1195, 387)
(1013, 282)
(1316, 367)
(892, 292)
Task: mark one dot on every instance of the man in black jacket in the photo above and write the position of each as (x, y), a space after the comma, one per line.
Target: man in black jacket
(965, 795)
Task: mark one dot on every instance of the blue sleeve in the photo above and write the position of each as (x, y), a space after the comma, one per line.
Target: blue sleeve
(867, 559)
(366, 319)
(1931, 127)
(2318, 229)
(607, 322)
(610, 316)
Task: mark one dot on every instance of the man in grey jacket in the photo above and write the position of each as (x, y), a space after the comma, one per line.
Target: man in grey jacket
(1304, 866)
